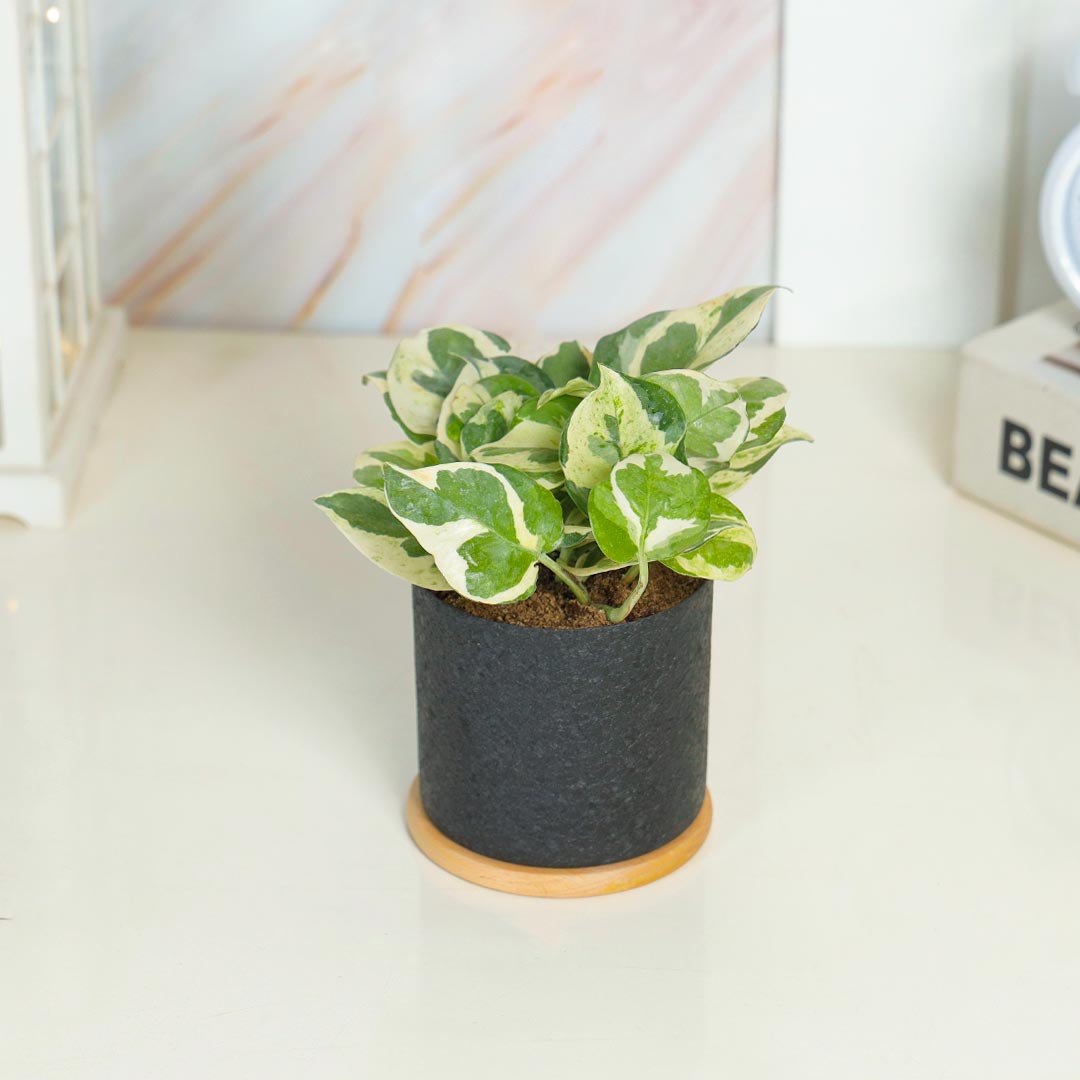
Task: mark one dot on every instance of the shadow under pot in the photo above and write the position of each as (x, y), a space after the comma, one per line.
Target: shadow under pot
(561, 762)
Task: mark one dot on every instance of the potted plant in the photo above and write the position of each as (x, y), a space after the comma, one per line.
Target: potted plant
(562, 522)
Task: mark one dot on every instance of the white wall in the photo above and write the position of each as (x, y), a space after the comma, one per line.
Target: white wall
(335, 164)
(894, 149)
(913, 141)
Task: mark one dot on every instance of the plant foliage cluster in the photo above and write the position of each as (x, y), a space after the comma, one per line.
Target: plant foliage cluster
(581, 462)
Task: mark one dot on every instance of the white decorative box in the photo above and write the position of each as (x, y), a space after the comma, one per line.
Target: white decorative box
(1017, 443)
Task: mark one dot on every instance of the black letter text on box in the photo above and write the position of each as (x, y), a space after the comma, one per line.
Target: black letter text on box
(1015, 447)
(1048, 466)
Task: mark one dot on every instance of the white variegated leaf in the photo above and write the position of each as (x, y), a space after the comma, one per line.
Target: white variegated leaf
(368, 468)
(764, 397)
(365, 520)
(587, 560)
(716, 421)
(379, 380)
(424, 368)
(575, 535)
(725, 481)
(727, 550)
(576, 388)
(753, 457)
(376, 379)
(748, 460)
(650, 507)
(484, 525)
(490, 422)
(576, 529)
(467, 406)
(734, 319)
(622, 416)
(517, 371)
(693, 337)
(464, 398)
(532, 442)
(763, 432)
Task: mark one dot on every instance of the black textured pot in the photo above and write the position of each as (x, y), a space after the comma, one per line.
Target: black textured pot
(561, 762)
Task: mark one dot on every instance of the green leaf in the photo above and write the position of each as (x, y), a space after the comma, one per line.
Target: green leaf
(622, 416)
(364, 518)
(368, 469)
(716, 421)
(484, 525)
(571, 360)
(650, 507)
(525, 371)
(727, 550)
(693, 337)
(445, 454)
(424, 369)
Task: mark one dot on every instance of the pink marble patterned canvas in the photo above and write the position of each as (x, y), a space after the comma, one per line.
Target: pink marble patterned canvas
(536, 167)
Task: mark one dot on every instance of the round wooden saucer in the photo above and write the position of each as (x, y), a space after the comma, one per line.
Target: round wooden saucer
(546, 881)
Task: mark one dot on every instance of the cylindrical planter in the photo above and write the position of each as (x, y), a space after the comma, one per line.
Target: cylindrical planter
(561, 762)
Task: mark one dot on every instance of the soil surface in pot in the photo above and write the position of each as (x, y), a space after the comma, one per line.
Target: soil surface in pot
(552, 606)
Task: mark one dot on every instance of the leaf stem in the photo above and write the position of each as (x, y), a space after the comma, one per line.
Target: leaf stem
(617, 614)
(568, 580)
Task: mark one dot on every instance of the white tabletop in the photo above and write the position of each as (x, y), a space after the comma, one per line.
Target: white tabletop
(207, 737)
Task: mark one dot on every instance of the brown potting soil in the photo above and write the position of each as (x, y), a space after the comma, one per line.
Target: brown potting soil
(552, 606)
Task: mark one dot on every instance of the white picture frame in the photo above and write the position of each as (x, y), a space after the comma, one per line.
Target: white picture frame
(59, 344)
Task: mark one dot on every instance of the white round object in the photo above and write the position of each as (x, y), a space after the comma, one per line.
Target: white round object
(1059, 216)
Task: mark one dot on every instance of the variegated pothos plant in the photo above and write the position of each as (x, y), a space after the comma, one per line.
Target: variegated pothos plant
(581, 462)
